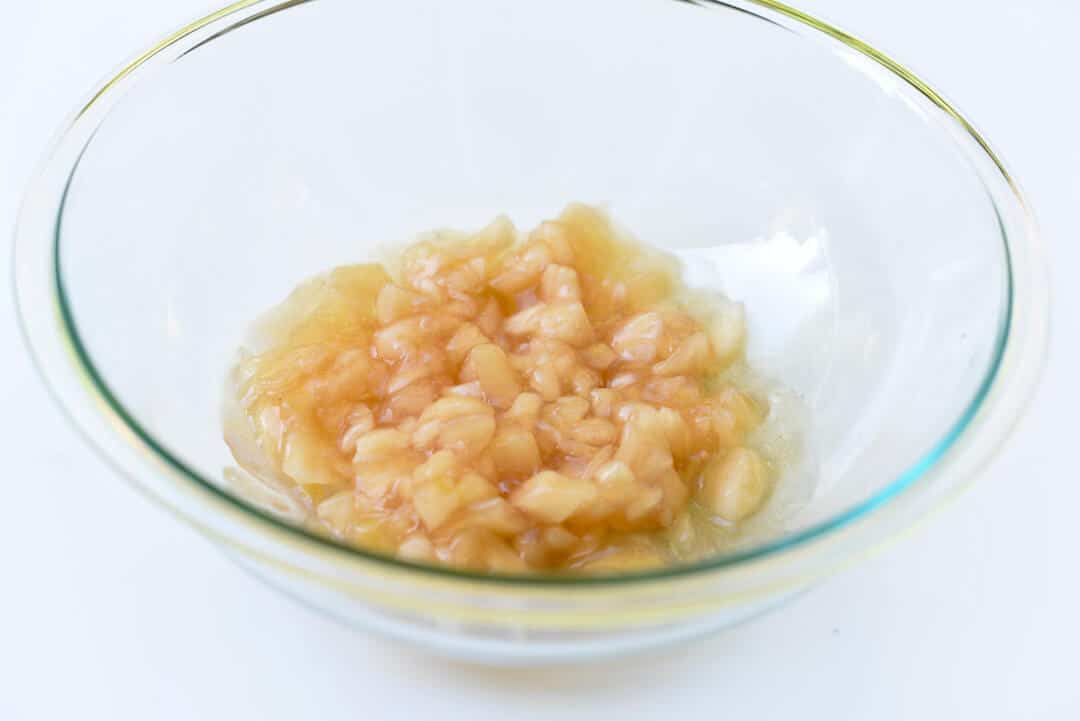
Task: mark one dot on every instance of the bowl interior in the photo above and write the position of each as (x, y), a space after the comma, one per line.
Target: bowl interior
(813, 186)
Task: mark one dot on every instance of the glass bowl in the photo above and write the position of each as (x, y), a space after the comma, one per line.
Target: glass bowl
(889, 264)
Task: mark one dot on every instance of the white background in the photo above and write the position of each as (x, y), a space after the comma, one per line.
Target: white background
(111, 610)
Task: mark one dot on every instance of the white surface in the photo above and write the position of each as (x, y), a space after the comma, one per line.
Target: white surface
(111, 610)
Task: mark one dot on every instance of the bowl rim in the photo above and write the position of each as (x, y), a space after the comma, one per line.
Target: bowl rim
(125, 423)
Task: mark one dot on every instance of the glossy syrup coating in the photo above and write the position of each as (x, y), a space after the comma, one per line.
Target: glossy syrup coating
(508, 403)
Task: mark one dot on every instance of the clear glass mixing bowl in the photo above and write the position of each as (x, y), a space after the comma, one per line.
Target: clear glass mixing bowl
(888, 262)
